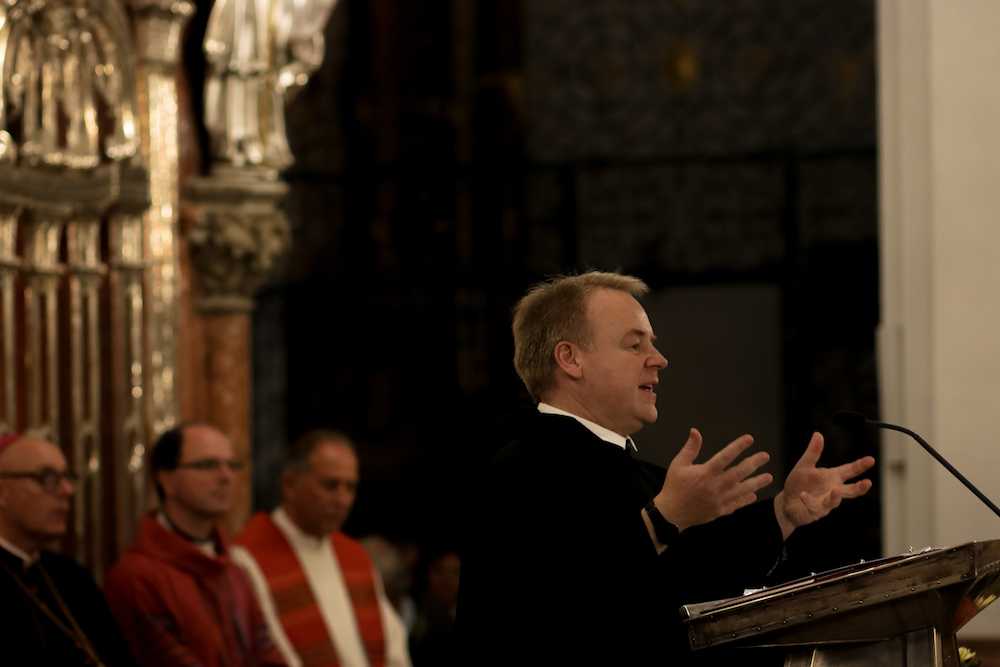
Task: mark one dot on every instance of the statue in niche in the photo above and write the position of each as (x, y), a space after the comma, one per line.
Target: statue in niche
(259, 53)
(66, 88)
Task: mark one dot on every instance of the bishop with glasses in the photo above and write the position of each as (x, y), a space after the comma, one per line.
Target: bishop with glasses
(51, 613)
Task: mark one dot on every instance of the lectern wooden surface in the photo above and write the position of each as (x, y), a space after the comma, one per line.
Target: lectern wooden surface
(905, 609)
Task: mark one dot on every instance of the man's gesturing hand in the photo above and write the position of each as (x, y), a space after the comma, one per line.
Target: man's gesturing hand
(694, 493)
(810, 493)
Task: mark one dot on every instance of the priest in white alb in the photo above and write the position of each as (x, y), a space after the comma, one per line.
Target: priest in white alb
(319, 591)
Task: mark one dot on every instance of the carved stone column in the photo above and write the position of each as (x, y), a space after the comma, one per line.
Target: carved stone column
(237, 235)
(227, 365)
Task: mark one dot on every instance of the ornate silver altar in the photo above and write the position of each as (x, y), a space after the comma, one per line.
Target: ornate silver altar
(901, 611)
(73, 192)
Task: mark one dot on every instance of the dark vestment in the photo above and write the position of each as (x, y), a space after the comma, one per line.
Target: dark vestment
(562, 569)
(432, 639)
(29, 638)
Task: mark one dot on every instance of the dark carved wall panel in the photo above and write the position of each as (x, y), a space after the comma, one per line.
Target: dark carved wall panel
(838, 200)
(688, 218)
(645, 79)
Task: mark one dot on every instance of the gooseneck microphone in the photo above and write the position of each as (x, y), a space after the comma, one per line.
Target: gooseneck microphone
(855, 421)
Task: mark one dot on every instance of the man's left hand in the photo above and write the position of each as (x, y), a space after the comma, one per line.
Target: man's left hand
(810, 493)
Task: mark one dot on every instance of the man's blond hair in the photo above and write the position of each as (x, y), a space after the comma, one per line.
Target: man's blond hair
(555, 310)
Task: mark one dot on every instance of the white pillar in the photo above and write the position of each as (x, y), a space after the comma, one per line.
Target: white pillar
(939, 341)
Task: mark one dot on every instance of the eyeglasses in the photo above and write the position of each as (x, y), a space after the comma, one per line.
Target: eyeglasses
(47, 478)
(213, 465)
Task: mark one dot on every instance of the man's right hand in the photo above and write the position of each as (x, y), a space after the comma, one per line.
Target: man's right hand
(696, 493)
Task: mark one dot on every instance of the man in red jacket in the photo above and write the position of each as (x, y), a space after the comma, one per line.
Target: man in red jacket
(176, 593)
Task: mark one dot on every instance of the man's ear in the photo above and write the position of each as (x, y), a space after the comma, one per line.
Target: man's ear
(287, 484)
(567, 356)
(165, 479)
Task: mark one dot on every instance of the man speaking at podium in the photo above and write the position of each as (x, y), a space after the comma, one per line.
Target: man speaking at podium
(583, 554)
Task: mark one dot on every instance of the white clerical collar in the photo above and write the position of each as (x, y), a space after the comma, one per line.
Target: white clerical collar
(294, 533)
(207, 547)
(27, 559)
(605, 434)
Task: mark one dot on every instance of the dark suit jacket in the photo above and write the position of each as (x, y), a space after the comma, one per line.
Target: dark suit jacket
(562, 569)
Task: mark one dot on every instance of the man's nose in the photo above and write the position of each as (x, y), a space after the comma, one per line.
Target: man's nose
(658, 360)
(64, 487)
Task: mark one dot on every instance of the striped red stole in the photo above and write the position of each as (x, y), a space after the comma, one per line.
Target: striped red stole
(294, 599)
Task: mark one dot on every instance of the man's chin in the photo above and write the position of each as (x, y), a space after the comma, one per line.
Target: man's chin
(332, 527)
(52, 534)
(215, 513)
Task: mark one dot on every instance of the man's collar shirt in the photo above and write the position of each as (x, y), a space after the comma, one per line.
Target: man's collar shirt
(605, 434)
(27, 560)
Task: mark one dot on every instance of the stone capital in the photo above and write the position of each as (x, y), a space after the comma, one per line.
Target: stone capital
(237, 237)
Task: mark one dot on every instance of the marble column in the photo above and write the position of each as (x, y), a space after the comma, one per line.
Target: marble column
(227, 362)
(237, 234)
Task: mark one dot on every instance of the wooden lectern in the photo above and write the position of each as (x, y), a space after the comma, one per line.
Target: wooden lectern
(895, 612)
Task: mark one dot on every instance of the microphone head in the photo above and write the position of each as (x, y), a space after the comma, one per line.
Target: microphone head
(852, 421)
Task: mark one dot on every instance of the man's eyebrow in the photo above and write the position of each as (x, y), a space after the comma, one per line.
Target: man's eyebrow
(641, 333)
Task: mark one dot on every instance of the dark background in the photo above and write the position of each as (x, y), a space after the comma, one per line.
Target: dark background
(448, 155)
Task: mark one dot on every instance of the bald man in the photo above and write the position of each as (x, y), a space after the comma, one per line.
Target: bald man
(52, 612)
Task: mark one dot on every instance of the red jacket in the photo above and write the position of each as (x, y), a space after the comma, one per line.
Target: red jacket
(178, 606)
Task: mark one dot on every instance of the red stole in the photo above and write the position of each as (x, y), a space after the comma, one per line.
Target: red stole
(293, 597)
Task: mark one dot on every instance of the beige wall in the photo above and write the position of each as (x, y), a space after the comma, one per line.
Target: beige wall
(939, 344)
